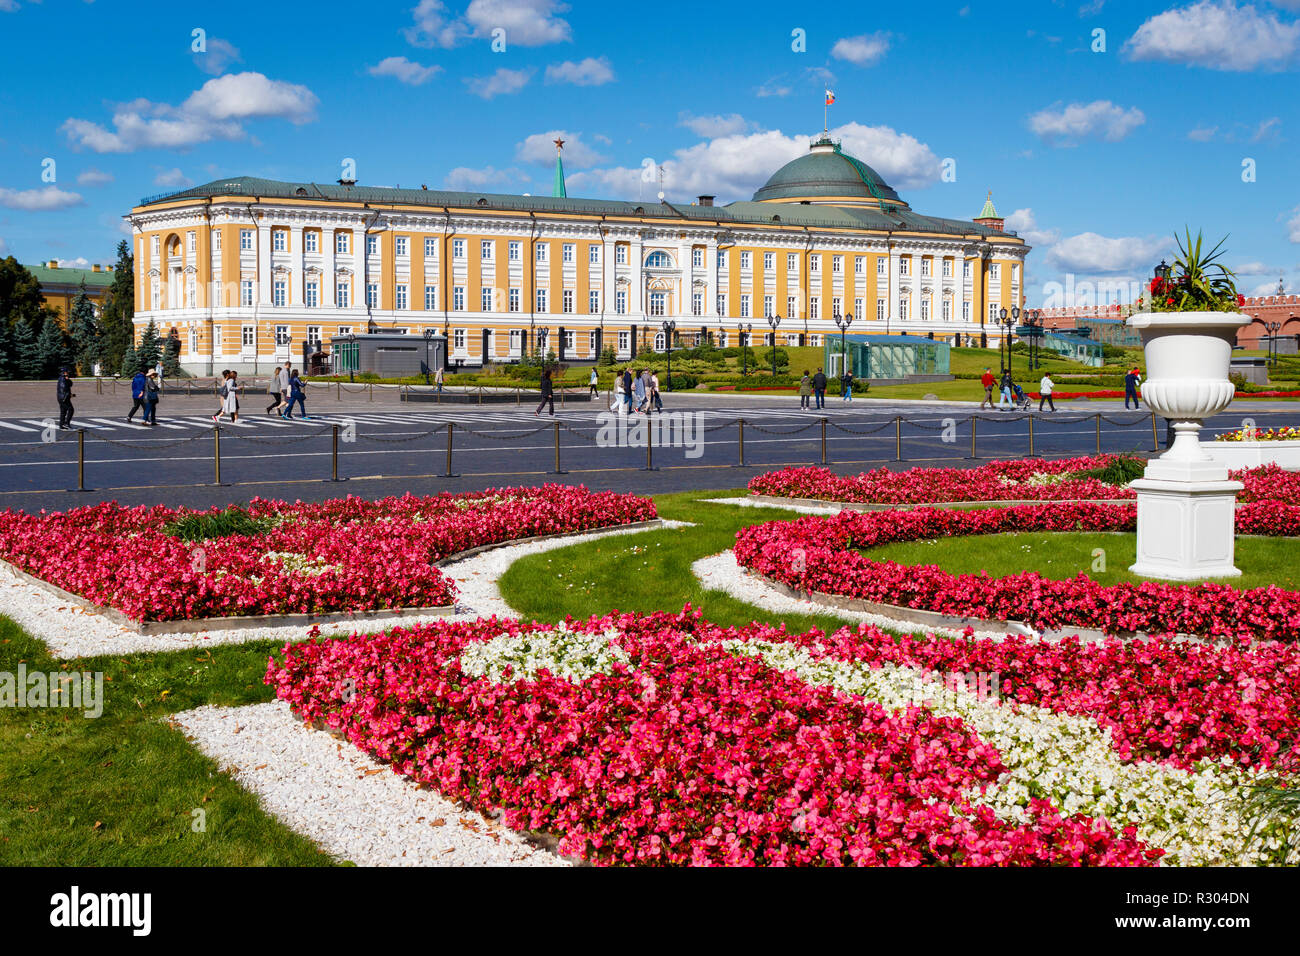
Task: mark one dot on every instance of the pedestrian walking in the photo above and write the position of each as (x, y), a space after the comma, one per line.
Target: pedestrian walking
(988, 381)
(805, 389)
(1045, 392)
(548, 393)
(152, 390)
(284, 377)
(1131, 382)
(594, 382)
(273, 389)
(654, 391)
(437, 379)
(648, 386)
(63, 392)
(638, 393)
(619, 401)
(627, 388)
(1007, 399)
(846, 383)
(137, 395)
(298, 394)
(819, 388)
(158, 370)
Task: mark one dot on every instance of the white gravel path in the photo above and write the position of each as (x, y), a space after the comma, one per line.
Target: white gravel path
(352, 806)
(721, 572)
(71, 631)
(829, 508)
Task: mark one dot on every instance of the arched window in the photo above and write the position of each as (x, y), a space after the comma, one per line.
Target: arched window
(658, 260)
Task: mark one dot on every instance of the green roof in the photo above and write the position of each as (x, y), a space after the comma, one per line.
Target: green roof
(826, 171)
(557, 187)
(737, 213)
(48, 277)
(988, 212)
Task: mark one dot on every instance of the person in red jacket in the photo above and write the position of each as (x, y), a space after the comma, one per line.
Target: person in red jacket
(988, 381)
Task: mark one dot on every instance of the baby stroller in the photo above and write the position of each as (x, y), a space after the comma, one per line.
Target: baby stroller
(1019, 398)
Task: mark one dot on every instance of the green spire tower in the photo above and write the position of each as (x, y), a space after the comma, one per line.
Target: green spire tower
(557, 189)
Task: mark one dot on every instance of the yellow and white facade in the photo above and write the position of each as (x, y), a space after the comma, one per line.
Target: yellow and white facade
(247, 270)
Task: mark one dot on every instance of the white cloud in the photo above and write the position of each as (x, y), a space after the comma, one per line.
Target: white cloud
(8, 6)
(1092, 254)
(3, 246)
(172, 177)
(39, 200)
(219, 55)
(1293, 226)
(1100, 119)
(466, 179)
(540, 148)
(1022, 221)
(865, 50)
(214, 111)
(503, 81)
(1202, 134)
(589, 72)
(773, 87)
(94, 177)
(1268, 129)
(81, 262)
(431, 28)
(734, 166)
(1217, 35)
(404, 70)
(526, 22)
(708, 127)
(1255, 269)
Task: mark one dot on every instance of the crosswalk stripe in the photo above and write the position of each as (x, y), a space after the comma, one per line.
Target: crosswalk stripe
(17, 428)
(78, 423)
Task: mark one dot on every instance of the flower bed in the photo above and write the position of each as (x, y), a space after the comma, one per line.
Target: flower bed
(343, 555)
(1286, 433)
(665, 739)
(819, 554)
(1030, 478)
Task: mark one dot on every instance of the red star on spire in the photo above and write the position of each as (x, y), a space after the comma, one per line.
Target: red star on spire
(559, 144)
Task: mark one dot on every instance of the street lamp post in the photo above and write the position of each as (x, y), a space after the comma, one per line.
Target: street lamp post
(352, 356)
(775, 322)
(843, 325)
(1273, 329)
(742, 329)
(428, 338)
(669, 327)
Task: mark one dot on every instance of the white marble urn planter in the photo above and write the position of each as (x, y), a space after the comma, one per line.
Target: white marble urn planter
(1253, 454)
(1185, 499)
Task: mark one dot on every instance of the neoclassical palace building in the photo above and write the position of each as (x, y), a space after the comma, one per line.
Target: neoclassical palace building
(248, 270)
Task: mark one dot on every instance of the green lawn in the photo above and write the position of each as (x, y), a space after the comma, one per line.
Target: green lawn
(1061, 556)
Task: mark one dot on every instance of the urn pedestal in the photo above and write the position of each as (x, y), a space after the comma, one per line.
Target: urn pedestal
(1186, 502)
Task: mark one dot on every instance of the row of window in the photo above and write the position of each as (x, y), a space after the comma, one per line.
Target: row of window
(568, 253)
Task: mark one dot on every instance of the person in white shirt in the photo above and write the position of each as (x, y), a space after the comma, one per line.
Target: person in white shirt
(1045, 392)
(593, 382)
(284, 389)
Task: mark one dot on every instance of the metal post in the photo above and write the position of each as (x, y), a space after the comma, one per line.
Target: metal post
(741, 423)
(451, 427)
(338, 391)
(99, 386)
(898, 438)
(81, 459)
(216, 454)
(1155, 436)
(334, 455)
(480, 394)
(823, 441)
(649, 444)
(1031, 435)
(1098, 417)
(372, 391)
(973, 422)
(558, 470)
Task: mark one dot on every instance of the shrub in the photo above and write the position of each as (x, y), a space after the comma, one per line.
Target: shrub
(217, 524)
(1121, 471)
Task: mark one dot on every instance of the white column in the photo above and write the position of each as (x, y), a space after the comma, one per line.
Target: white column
(916, 285)
(959, 300)
(264, 263)
(891, 283)
(327, 299)
(711, 278)
(685, 285)
(637, 305)
(295, 266)
(608, 288)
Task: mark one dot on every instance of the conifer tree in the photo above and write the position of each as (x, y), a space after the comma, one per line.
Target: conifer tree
(85, 331)
(52, 349)
(149, 351)
(27, 360)
(7, 359)
(117, 321)
(130, 363)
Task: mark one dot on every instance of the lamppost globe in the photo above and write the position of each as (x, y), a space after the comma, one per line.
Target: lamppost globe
(774, 321)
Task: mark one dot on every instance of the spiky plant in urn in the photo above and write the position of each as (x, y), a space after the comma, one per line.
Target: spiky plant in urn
(1186, 502)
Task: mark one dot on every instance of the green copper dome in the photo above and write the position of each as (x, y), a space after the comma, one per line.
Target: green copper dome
(824, 173)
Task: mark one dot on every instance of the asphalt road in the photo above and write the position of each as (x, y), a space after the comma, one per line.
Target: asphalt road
(392, 448)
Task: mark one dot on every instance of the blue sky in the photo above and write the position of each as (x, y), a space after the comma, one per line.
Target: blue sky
(1097, 156)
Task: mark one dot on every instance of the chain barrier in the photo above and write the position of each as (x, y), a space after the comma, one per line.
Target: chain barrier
(400, 441)
(499, 437)
(770, 431)
(574, 431)
(32, 450)
(170, 442)
(938, 428)
(1144, 420)
(855, 431)
(716, 428)
(307, 436)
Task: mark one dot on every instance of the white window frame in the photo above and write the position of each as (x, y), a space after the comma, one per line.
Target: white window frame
(311, 241)
(401, 297)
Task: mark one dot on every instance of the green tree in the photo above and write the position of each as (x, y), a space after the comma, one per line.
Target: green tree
(130, 363)
(8, 361)
(52, 350)
(149, 351)
(171, 356)
(117, 321)
(21, 299)
(85, 331)
(27, 360)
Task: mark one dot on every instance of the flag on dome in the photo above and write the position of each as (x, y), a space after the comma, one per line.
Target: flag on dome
(830, 97)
